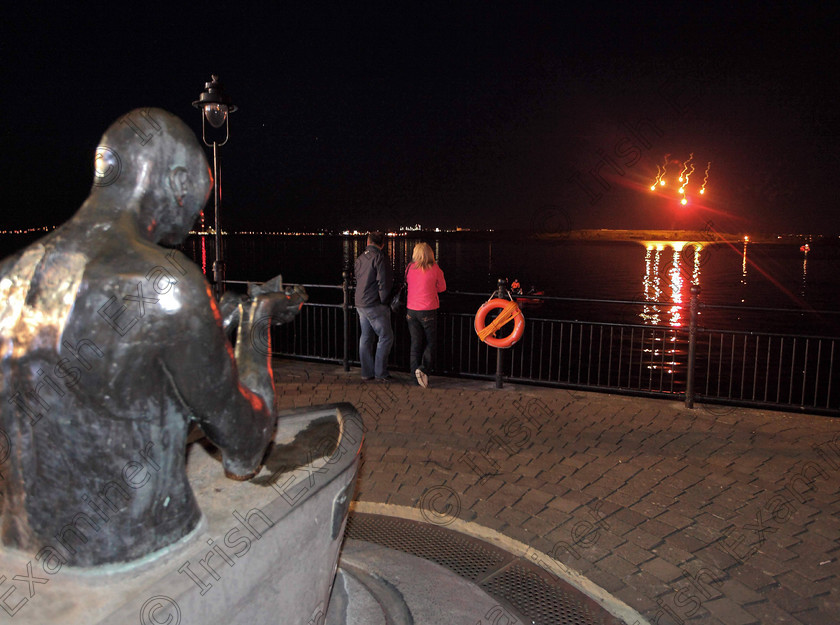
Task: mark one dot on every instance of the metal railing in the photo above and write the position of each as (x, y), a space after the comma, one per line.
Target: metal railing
(689, 362)
(773, 370)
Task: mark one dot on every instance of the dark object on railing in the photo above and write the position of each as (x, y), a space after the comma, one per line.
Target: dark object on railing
(692, 346)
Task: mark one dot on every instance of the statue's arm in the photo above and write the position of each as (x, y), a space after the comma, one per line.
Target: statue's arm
(235, 411)
(260, 311)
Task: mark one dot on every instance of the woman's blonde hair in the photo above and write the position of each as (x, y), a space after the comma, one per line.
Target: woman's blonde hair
(423, 256)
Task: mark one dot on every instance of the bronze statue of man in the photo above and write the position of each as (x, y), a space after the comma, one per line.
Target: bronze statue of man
(110, 346)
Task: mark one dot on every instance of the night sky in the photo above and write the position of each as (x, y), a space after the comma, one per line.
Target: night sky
(459, 114)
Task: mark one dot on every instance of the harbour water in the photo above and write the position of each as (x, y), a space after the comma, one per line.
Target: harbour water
(743, 275)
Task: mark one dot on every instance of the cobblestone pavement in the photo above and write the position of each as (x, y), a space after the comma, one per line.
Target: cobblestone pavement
(713, 515)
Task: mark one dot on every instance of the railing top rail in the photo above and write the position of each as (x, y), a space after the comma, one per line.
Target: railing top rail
(809, 311)
(769, 334)
(685, 304)
(585, 322)
(574, 299)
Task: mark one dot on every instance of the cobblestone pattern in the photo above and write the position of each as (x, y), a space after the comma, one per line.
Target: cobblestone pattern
(686, 515)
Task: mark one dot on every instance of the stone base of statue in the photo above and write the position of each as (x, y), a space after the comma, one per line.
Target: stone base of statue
(380, 586)
(265, 552)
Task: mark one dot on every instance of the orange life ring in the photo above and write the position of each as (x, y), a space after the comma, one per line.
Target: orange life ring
(509, 311)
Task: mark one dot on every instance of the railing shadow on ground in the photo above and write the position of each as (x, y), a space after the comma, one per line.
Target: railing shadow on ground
(631, 355)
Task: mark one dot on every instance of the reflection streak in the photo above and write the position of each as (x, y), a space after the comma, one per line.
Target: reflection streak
(658, 270)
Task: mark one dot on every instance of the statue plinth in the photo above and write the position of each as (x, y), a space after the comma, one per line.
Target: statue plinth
(265, 551)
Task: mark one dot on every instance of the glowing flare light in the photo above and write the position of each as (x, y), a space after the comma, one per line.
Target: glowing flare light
(684, 177)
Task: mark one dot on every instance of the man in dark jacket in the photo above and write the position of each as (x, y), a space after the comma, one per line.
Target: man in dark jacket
(374, 280)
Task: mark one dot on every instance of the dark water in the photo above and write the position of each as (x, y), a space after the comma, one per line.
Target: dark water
(743, 275)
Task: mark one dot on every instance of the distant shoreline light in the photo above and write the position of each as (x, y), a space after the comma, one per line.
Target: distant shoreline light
(403, 231)
(413, 230)
(28, 230)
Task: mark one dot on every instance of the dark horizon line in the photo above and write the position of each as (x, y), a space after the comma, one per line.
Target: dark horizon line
(460, 231)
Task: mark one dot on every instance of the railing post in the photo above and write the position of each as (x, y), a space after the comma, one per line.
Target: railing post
(692, 345)
(499, 293)
(345, 307)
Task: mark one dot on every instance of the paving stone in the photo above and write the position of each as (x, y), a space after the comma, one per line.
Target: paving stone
(624, 498)
(814, 544)
(490, 521)
(643, 539)
(567, 503)
(623, 472)
(597, 492)
(668, 552)
(739, 593)
(729, 612)
(674, 519)
(515, 518)
(826, 526)
(649, 508)
(605, 580)
(629, 516)
(532, 501)
(681, 540)
(769, 565)
(638, 599)
(554, 517)
(788, 600)
(663, 530)
(618, 527)
(811, 617)
(662, 569)
(752, 578)
(651, 585)
(817, 567)
(633, 553)
(805, 587)
(539, 526)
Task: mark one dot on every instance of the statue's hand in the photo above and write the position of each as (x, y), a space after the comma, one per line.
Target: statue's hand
(279, 307)
(275, 304)
(275, 285)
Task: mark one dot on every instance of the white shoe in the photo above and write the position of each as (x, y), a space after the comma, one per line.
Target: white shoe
(422, 378)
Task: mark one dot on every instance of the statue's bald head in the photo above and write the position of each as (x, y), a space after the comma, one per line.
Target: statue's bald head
(151, 163)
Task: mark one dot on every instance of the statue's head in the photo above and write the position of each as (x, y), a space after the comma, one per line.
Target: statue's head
(150, 162)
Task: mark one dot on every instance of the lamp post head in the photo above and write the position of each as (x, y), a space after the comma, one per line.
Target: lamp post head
(215, 102)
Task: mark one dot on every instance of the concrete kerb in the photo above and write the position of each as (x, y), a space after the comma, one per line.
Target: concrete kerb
(611, 604)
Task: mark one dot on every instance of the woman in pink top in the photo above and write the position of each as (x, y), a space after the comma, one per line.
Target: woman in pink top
(425, 280)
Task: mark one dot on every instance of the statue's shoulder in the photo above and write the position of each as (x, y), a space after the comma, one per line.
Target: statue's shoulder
(141, 272)
(130, 260)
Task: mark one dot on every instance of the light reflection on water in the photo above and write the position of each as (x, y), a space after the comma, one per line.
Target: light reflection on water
(204, 255)
(671, 268)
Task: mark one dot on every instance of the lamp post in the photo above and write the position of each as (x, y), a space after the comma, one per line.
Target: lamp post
(216, 105)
